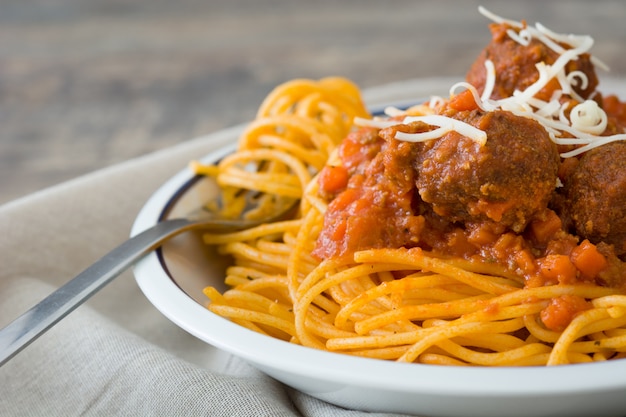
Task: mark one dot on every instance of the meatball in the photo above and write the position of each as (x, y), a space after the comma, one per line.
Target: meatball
(595, 196)
(505, 181)
(515, 66)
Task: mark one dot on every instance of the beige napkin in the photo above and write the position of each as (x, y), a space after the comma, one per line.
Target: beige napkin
(117, 355)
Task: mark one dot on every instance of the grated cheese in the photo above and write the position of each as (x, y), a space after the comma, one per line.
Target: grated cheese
(436, 101)
(444, 125)
(586, 120)
(523, 37)
(490, 81)
(588, 117)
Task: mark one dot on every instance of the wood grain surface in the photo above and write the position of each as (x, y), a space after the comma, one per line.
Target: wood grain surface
(85, 84)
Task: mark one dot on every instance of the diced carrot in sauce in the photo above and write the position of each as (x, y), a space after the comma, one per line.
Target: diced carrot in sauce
(589, 261)
(547, 92)
(463, 101)
(562, 310)
(344, 199)
(614, 107)
(557, 269)
(493, 210)
(543, 230)
(360, 205)
(534, 280)
(360, 229)
(505, 244)
(333, 179)
(525, 261)
(348, 149)
(340, 229)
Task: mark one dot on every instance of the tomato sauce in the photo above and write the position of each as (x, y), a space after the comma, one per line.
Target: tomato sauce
(374, 203)
(512, 201)
(375, 208)
(562, 310)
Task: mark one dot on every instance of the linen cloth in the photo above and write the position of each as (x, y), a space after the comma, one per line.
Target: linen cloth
(117, 355)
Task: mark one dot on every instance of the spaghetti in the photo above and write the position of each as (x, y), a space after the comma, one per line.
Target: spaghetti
(388, 259)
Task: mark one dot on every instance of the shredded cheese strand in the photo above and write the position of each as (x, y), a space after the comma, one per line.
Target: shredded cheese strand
(602, 140)
(444, 125)
(589, 117)
(490, 81)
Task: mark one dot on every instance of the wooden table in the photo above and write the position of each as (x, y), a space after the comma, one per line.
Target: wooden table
(88, 83)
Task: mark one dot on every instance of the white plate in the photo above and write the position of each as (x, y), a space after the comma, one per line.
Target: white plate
(173, 279)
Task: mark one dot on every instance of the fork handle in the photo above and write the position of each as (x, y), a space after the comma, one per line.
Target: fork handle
(33, 323)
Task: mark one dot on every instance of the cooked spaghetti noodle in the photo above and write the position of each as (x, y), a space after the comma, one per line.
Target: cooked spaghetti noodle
(378, 264)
